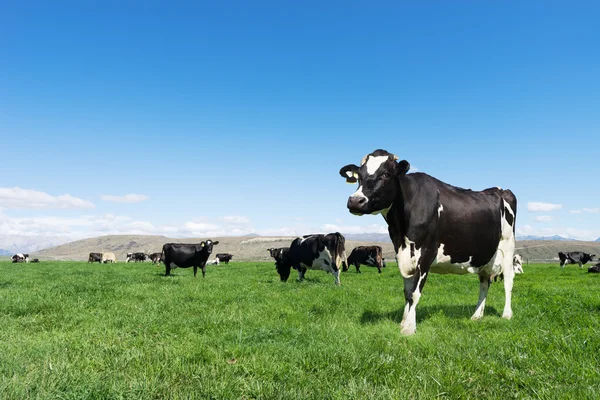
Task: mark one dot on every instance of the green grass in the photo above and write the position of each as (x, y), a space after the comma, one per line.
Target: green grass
(70, 330)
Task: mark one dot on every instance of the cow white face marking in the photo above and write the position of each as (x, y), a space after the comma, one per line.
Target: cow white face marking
(374, 162)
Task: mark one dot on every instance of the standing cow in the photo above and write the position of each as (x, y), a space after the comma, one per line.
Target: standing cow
(109, 257)
(136, 257)
(95, 257)
(367, 255)
(436, 227)
(156, 258)
(326, 252)
(224, 257)
(575, 257)
(178, 255)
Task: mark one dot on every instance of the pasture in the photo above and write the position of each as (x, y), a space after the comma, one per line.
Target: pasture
(72, 330)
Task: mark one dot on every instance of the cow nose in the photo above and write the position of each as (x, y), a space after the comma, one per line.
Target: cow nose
(355, 202)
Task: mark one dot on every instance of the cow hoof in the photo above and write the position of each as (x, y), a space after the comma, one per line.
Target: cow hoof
(408, 330)
(476, 317)
(507, 315)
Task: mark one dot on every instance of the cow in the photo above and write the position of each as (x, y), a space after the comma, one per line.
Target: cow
(518, 264)
(20, 257)
(326, 252)
(108, 257)
(367, 255)
(213, 262)
(574, 257)
(436, 227)
(156, 258)
(224, 257)
(178, 255)
(278, 253)
(595, 269)
(137, 257)
(95, 257)
(35, 260)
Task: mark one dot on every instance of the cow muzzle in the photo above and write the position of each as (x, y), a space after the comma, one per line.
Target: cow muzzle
(357, 204)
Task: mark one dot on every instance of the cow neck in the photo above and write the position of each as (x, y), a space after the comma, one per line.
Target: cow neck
(395, 217)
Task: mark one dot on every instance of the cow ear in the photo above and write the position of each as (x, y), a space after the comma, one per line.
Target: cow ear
(215, 243)
(350, 172)
(402, 167)
(202, 244)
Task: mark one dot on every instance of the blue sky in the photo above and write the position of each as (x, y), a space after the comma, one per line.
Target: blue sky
(234, 117)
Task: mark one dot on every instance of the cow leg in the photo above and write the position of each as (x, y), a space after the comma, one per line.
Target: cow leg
(336, 276)
(580, 264)
(509, 275)
(378, 269)
(204, 271)
(562, 264)
(195, 270)
(413, 290)
(167, 268)
(484, 285)
(357, 268)
(301, 272)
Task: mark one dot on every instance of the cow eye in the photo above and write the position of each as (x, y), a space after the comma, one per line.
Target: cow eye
(385, 175)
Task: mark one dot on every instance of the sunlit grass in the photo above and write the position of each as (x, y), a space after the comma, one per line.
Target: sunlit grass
(73, 330)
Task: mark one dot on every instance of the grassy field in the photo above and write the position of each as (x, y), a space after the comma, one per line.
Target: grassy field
(69, 330)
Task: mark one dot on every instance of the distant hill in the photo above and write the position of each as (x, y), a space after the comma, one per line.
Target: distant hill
(5, 253)
(555, 237)
(254, 248)
(598, 240)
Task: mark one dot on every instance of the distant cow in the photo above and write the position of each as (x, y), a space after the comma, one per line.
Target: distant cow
(594, 269)
(178, 255)
(156, 258)
(108, 257)
(20, 257)
(213, 262)
(95, 257)
(326, 252)
(574, 257)
(278, 253)
(137, 257)
(35, 260)
(224, 257)
(518, 264)
(367, 255)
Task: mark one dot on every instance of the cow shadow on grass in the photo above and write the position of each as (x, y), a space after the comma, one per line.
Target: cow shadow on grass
(425, 312)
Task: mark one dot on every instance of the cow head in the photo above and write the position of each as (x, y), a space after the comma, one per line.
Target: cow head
(283, 269)
(208, 245)
(589, 257)
(377, 179)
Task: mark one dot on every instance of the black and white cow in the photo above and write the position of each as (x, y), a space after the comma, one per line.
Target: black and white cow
(595, 269)
(20, 257)
(436, 227)
(574, 257)
(95, 257)
(326, 252)
(224, 257)
(35, 260)
(178, 255)
(137, 257)
(367, 255)
(156, 258)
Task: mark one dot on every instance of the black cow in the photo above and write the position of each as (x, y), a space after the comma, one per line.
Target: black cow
(436, 227)
(574, 257)
(326, 252)
(278, 253)
(20, 257)
(594, 269)
(156, 258)
(224, 257)
(178, 255)
(367, 255)
(137, 257)
(35, 260)
(95, 257)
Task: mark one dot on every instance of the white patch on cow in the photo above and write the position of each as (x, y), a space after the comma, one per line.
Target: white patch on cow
(507, 249)
(407, 264)
(373, 163)
(20, 255)
(442, 264)
(518, 264)
(440, 209)
(324, 261)
(359, 193)
(409, 322)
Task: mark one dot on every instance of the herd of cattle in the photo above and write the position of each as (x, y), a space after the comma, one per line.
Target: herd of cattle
(434, 227)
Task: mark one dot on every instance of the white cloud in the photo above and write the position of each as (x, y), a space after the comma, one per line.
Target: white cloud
(575, 211)
(543, 218)
(591, 210)
(538, 206)
(128, 198)
(18, 198)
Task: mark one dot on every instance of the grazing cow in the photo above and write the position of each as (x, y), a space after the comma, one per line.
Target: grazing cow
(595, 269)
(178, 255)
(518, 264)
(574, 257)
(35, 260)
(224, 257)
(156, 258)
(436, 227)
(95, 257)
(108, 257)
(137, 257)
(326, 252)
(20, 257)
(367, 255)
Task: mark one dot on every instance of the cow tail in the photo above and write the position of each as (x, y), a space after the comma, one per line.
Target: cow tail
(340, 252)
